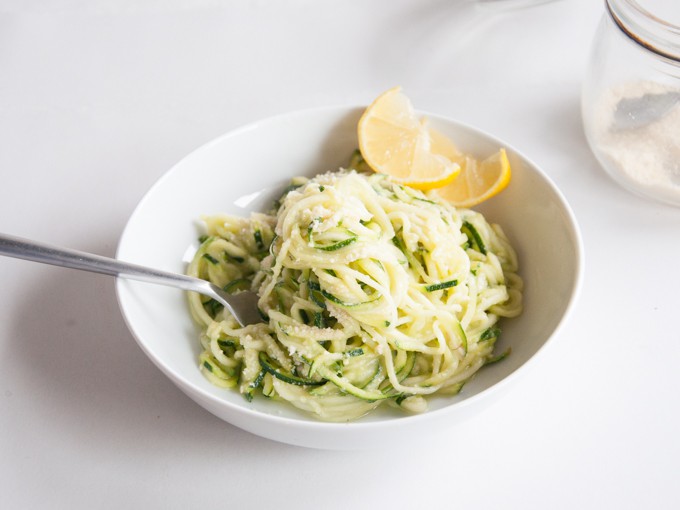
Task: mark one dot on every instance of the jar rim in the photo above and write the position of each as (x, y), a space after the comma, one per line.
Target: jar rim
(646, 29)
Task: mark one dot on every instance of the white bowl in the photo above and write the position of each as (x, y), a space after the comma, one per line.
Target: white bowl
(243, 171)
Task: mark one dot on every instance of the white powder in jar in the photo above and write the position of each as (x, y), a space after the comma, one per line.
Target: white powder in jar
(645, 158)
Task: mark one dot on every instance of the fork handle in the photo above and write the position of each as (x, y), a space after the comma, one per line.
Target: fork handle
(243, 306)
(26, 249)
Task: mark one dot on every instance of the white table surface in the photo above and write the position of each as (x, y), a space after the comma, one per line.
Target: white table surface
(98, 99)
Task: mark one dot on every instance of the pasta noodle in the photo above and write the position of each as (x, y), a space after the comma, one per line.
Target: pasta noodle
(373, 293)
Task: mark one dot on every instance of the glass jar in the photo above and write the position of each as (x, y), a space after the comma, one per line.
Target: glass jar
(631, 96)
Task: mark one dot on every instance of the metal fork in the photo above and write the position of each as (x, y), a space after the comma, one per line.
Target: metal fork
(243, 306)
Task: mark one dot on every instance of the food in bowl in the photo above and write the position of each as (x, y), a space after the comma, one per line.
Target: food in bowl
(372, 293)
(163, 228)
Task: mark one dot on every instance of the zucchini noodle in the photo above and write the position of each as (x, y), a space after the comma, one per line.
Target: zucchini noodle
(373, 293)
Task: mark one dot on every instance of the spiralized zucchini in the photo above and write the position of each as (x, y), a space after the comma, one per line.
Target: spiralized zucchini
(373, 293)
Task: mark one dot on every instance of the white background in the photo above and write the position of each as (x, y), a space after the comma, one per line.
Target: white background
(98, 99)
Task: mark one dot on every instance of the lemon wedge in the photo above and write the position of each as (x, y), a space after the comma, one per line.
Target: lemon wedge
(478, 181)
(394, 141)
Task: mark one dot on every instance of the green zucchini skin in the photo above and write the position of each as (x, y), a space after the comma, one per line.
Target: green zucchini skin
(441, 285)
(474, 237)
(268, 366)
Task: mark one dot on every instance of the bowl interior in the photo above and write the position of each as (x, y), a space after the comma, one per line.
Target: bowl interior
(246, 169)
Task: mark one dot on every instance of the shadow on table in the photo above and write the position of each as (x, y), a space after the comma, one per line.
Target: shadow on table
(93, 386)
